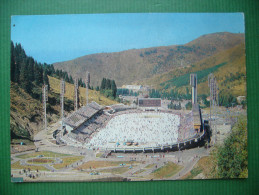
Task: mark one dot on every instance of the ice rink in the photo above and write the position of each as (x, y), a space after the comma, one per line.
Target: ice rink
(144, 128)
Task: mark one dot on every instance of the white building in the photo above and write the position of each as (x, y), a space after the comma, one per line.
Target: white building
(132, 87)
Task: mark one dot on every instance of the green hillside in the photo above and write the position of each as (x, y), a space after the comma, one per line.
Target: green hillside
(93, 95)
(228, 66)
(185, 79)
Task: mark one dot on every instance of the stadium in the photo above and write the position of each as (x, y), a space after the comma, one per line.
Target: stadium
(146, 127)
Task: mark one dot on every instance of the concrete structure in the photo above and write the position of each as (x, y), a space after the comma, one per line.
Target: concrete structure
(87, 82)
(197, 118)
(45, 99)
(193, 83)
(62, 92)
(76, 95)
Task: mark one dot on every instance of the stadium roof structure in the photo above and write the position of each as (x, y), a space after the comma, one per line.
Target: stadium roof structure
(81, 115)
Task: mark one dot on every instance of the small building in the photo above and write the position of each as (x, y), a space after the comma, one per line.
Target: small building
(149, 102)
(240, 99)
(132, 87)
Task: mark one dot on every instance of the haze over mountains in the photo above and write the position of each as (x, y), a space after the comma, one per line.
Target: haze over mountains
(158, 65)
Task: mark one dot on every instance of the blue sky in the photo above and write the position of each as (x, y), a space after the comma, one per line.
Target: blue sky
(54, 38)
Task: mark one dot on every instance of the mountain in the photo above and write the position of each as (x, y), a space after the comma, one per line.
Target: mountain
(134, 65)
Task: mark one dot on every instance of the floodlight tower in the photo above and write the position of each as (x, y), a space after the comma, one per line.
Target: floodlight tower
(193, 83)
(212, 82)
(87, 82)
(76, 95)
(62, 92)
(44, 100)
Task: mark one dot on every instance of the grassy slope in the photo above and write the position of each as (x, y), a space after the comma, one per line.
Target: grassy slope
(167, 170)
(26, 113)
(203, 166)
(17, 165)
(93, 95)
(101, 164)
(44, 153)
(68, 161)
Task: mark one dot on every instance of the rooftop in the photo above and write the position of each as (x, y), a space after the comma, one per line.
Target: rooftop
(81, 115)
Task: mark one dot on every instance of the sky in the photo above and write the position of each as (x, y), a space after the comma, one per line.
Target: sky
(56, 38)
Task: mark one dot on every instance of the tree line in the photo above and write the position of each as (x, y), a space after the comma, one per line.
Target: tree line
(25, 70)
(29, 73)
(126, 92)
(170, 95)
(108, 88)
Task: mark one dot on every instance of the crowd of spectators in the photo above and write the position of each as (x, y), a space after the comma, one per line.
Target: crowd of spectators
(142, 127)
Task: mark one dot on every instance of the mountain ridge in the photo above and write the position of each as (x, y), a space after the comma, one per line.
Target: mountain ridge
(132, 65)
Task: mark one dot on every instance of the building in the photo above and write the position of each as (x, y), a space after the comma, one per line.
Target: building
(149, 102)
(240, 99)
(134, 88)
(193, 83)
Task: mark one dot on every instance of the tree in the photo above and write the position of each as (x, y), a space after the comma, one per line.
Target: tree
(226, 99)
(188, 106)
(12, 63)
(38, 74)
(18, 58)
(45, 78)
(108, 84)
(24, 77)
(31, 69)
(66, 77)
(71, 80)
(232, 157)
(103, 84)
(114, 88)
(50, 70)
(204, 99)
